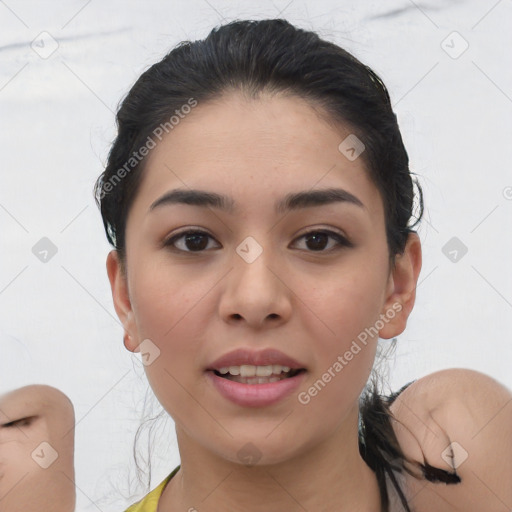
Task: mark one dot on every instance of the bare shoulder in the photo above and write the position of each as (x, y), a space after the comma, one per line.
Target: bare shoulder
(458, 421)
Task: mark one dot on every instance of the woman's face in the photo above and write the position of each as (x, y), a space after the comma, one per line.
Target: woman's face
(253, 280)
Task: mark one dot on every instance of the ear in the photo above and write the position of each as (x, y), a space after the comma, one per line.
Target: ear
(121, 297)
(401, 288)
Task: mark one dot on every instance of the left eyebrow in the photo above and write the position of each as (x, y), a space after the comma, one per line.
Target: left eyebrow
(293, 201)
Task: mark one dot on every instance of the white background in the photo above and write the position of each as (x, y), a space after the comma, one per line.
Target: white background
(58, 325)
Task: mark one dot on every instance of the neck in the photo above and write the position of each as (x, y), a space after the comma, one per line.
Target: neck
(328, 476)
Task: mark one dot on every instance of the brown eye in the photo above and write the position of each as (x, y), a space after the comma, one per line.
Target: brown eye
(193, 241)
(317, 240)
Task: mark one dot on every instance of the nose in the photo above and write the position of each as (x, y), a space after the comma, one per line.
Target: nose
(256, 292)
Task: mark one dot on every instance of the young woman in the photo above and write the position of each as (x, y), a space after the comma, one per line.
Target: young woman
(259, 200)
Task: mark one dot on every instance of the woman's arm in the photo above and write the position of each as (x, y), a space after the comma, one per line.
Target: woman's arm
(36, 450)
(460, 421)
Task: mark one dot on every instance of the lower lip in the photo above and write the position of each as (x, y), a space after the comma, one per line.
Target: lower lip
(255, 395)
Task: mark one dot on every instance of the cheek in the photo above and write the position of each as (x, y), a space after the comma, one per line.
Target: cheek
(164, 297)
(346, 309)
(345, 302)
(174, 312)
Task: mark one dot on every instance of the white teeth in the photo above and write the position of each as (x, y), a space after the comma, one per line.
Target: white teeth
(247, 370)
(234, 370)
(263, 371)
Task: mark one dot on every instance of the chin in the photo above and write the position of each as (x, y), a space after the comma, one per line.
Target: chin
(256, 452)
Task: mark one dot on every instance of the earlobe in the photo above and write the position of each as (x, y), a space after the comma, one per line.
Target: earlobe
(121, 298)
(129, 344)
(401, 292)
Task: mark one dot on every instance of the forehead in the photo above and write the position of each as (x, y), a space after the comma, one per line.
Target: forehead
(259, 149)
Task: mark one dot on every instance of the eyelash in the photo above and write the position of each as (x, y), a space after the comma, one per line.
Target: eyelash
(341, 240)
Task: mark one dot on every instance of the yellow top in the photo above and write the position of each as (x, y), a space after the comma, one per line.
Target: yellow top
(150, 502)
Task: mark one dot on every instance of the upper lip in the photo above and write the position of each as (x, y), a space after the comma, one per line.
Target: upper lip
(269, 356)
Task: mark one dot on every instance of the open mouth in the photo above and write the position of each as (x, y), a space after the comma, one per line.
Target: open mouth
(274, 377)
